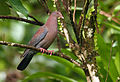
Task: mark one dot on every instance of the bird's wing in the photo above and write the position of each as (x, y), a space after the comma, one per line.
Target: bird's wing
(39, 35)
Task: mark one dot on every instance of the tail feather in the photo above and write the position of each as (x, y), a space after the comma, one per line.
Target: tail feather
(26, 60)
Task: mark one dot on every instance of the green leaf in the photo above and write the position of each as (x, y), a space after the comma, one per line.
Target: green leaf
(69, 53)
(117, 8)
(69, 26)
(4, 8)
(112, 26)
(118, 39)
(50, 4)
(69, 65)
(104, 51)
(101, 70)
(17, 6)
(117, 57)
(48, 75)
(117, 62)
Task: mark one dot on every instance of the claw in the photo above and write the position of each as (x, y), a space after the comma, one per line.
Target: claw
(43, 50)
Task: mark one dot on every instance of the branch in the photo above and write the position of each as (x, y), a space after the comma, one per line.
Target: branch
(82, 20)
(88, 50)
(95, 14)
(38, 49)
(33, 18)
(85, 10)
(61, 33)
(108, 15)
(92, 72)
(22, 19)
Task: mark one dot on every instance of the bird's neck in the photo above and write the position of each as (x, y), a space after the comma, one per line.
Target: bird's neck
(52, 22)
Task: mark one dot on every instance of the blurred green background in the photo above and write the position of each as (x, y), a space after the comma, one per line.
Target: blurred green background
(20, 32)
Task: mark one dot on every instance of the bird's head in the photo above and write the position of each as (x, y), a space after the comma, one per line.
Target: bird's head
(57, 14)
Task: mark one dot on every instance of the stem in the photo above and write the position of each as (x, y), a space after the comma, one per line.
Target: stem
(22, 19)
(38, 49)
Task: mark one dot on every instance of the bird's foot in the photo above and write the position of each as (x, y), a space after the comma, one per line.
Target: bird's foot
(50, 51)
(43, 50)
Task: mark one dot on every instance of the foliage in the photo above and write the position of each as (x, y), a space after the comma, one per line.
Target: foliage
(107, 42)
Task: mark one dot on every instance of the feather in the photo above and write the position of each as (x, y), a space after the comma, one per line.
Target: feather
(43, 38)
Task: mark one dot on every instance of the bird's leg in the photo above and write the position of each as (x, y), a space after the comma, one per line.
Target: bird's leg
(50, 51)
(43, 50)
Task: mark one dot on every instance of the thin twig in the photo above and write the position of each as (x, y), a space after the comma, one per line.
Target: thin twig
(61, 33)
(66, 32)
(84, 12)
(65, 4)
(85, 9)
(38, 49)
(80, 23)
(58, 5)
(72, 45)
(33, 18)
(69, 5)
(22, 19)
(74, 25)
(44, 4)
(108, 15)
(74, 11)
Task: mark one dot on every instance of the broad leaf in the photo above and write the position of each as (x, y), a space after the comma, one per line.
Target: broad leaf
(69, 65)
(4, 8)
(18, 6)
(104, 52)
(69, 53)
(117, 9)
(117, 62)
(48, 75)
(117, 57)
(102, 70)
(112, 26)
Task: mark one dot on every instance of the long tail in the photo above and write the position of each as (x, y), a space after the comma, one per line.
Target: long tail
(26, 60)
